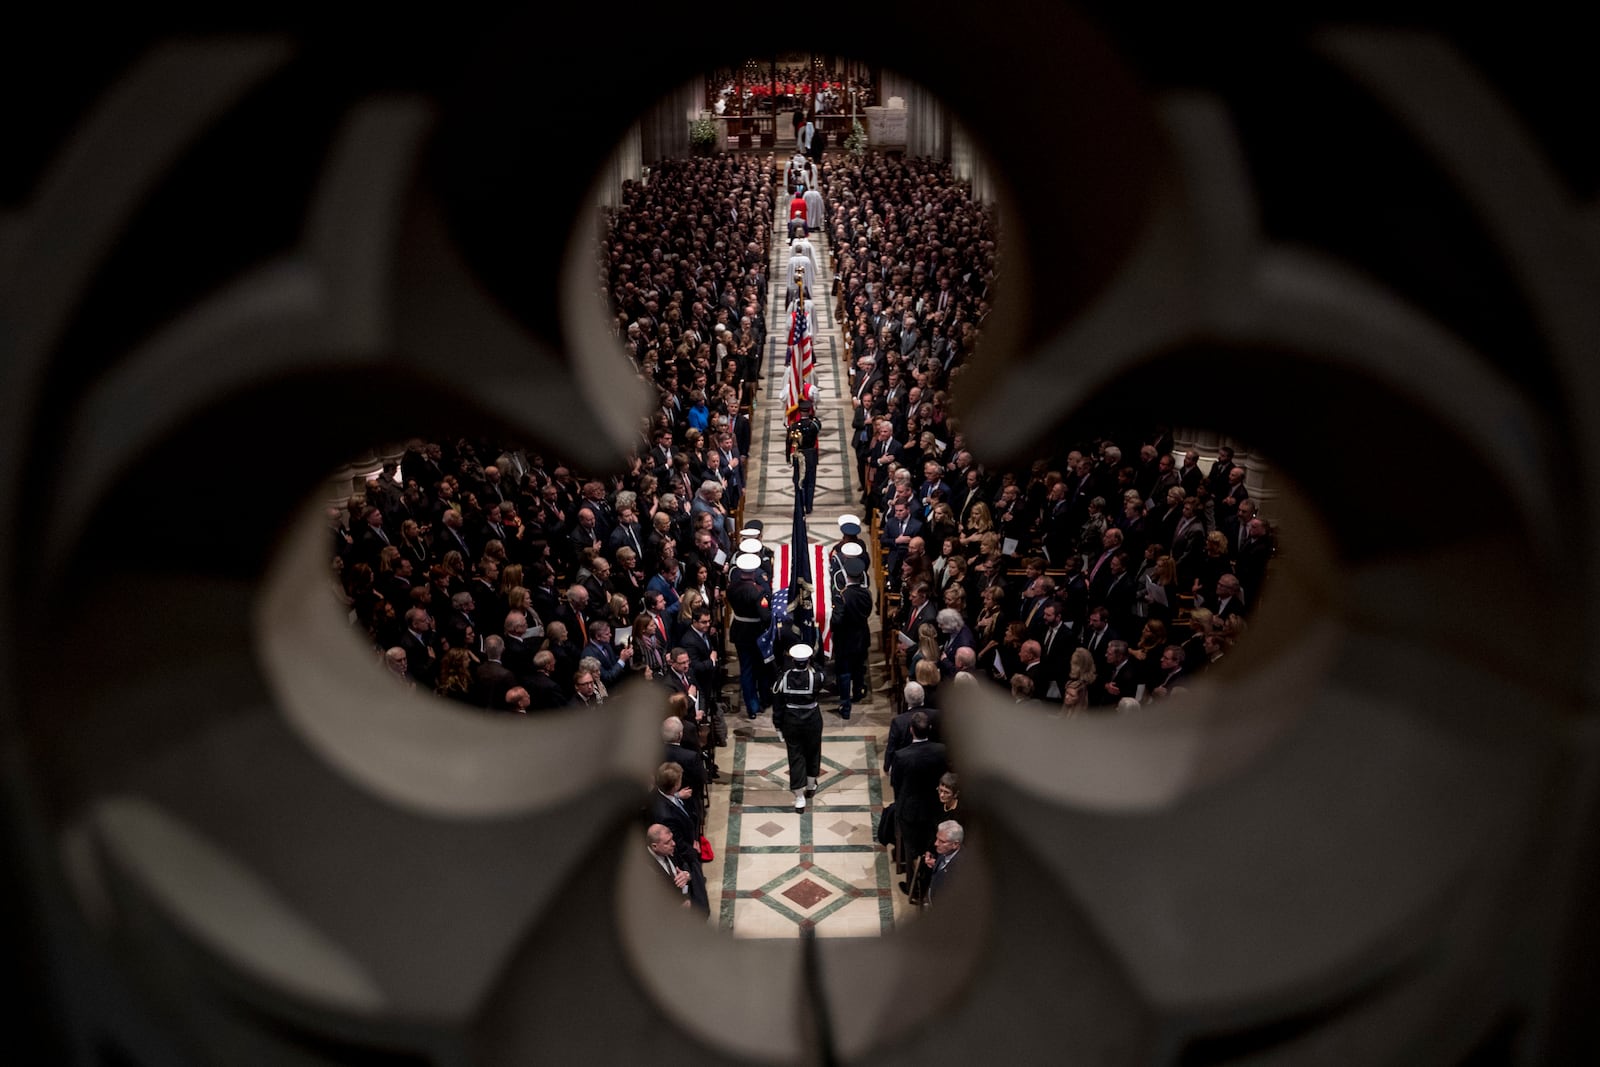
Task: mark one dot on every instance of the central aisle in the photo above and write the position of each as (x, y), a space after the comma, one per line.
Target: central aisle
(777, 872)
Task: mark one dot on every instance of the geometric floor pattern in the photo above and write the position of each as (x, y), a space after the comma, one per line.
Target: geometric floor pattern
(820, 870)
(777, 873)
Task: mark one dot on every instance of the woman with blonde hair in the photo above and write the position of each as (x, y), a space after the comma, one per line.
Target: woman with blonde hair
(688, 601)
(1202, 624)
(989, 630)
(627, 579)
(980, 521)
(510, 578)
(941, 526)
(520, 599)
(1080, 676)
(1211, 566)
(928, 648)
(988, 568)
(927, 675)
(412, 545)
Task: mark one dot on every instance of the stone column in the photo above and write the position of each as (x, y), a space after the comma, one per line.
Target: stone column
(1259, 476)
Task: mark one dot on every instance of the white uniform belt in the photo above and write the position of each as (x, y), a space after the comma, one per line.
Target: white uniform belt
(742, 618)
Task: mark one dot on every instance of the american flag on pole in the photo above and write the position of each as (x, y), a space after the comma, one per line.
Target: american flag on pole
(785, 558)
(799, 361)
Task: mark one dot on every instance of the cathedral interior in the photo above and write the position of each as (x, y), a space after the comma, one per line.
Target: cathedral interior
(236, 249)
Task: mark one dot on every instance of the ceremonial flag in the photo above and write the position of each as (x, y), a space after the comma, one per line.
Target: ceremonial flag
(812, 557)
(767, 641)
(801, 567)
(799, 361)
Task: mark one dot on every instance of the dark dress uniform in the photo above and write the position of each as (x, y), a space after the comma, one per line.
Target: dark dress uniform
(803, 437)
(852, 614)
(751, 600)
(798, 717)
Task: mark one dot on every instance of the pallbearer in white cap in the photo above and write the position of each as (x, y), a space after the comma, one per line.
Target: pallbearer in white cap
(852, 613)
(752, 531)
(798, 717)
(750, 597)
(849, 544)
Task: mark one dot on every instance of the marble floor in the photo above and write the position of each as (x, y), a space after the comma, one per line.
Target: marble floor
(778, 872)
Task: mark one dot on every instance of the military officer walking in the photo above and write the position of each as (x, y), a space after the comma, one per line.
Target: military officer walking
(798, 717)
(852, 612)
(803, 437)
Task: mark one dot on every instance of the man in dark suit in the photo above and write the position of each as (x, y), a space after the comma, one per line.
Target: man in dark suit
(693, 766)
(915, 778)
(587, 533)
(396, 585)
(1073, 592)
(699, 642)
(544, 691)
(458, 621)
(1227, 601)
(663, 848)
(1188, 538)
(1056, 643)
(422, 655)
(918, 610)
(613, 665)
(1228, 504)
(900, 726)
(669, 807)
(1116, 679)
(1169, 673)
(899, 527)
(1217, 480)
(941, 862)
(1253, 554)
(1097, 633)
(518, 656)
(494, 679)
(1119, 593)
(883, 451)
(1056, 534)
(1189, 475)
(449, 536)
(373, 539)
(679, 677)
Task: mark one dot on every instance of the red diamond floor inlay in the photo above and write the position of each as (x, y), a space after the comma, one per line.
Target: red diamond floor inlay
(807, 893)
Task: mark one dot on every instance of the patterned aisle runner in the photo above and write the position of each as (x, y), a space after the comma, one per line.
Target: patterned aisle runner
(777, 872)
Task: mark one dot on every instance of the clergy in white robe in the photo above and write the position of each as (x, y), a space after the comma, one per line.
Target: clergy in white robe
(813, 208)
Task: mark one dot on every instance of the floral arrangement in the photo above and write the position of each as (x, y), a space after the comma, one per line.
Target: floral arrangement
(703, 133)
(856, 142)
